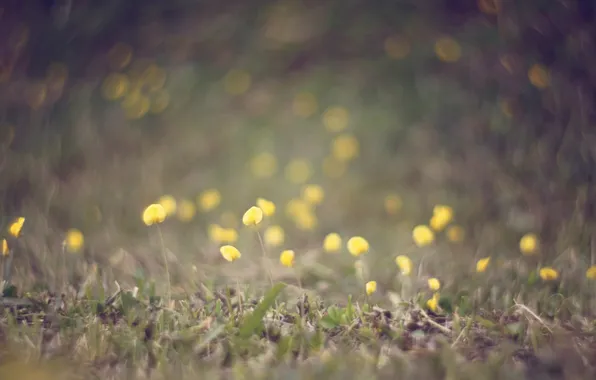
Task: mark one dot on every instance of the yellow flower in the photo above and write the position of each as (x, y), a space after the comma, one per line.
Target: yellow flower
(274, 236)
(371, 287)
(153, 214)
(219, 234)
(447, 49)
(296, 206)
(313, 194)
(298, 171)
(455, 234)
(305, 104)
(266, 206)
(305, 220)
(434, 284)
(345, 147)
(168, 203)
(442, 215)
(230, 253)
(393, 204)
(16, 226)
(405, 264)
(422, 235)
(287, 258)
(209, 199)
(548, 274)
(186, 210)
(482, 264)
(332, 243)
(336, 119)
(252, 216)
(4, 247)
(590, 273)
(357, 245)
(528, 244)
(539, 76)
(433, 303)
(263, 165)
(74, 240)
(115, 86)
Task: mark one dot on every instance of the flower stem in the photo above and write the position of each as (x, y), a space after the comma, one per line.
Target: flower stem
(165, 261)
(265, 263)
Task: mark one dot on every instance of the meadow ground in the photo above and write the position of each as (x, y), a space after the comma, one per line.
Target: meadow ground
(306, 191)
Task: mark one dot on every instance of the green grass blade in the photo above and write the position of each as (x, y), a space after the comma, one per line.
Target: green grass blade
(254, 321)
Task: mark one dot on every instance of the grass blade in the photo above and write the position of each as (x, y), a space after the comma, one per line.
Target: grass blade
(254, 321)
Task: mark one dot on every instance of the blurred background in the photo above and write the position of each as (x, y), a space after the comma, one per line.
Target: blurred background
(390, 107)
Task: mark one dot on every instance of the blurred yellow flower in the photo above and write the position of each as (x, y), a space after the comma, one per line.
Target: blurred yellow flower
(405, 264)
(115, 86)
(298, 171)
(15, 228)
(266, 206)
(135, 105)
(357, 245)
(528, 244)
(305, 220)
(153, 214)
(422, 235)
(433, 303)
(186, 210)
(397, 47)
(168, 203)
(153, 78)
(263, 165)
(296, 206)
(447, 49)
(332, 243)
(482, 264)
(333, 168)
(304, 105)
(287, 258)
(119, 56)
(160, 100)
(548, 274)
(506, 106)
(393, 204)
(371, 287)
(434, 284)
(590, 273)
(4, 247)
(442, 215)
(336, 119)
(74, 240)
(274, 236)
(230, 253)
(237, 82)
(490, 7)
(209, 199)
(313, 194)
(455, 234)
(345, 147)
(539, 76)
(219, 234)
(252, 216)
